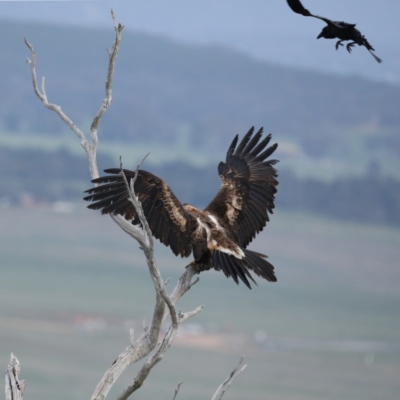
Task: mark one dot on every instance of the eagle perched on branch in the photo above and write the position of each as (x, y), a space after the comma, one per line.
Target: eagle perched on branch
(336, 30)
(218, 235)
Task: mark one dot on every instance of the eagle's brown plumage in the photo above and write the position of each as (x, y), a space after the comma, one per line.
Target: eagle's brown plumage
(219, 235)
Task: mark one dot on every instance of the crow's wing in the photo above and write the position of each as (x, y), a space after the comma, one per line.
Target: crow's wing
(298, 8)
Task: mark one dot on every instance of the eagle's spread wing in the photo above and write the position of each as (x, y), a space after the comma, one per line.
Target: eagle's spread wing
(248, 187)
(168, 220)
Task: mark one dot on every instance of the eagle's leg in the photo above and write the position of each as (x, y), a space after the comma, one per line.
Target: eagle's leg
(192, 263)
(350, 46)
(199, 267)
(339, 43)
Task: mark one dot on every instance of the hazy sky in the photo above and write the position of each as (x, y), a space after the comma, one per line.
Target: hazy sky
(266, 29)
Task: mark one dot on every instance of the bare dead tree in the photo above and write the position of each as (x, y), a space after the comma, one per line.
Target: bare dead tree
(147, 344)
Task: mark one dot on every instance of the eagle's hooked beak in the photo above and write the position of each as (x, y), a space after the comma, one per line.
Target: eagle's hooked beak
(320, 35)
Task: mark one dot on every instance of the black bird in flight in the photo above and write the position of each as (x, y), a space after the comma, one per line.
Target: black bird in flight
(336, 30)
(219, 235)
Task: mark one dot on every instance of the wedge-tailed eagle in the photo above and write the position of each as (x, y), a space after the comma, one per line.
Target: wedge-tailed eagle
(219, 235)
(336, 30)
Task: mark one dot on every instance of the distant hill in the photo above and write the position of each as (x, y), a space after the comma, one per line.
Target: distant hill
(168, 94)
(61, 176)
(268, 30)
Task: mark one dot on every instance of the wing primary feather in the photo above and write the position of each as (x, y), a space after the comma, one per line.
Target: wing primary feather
(261, 146)
(244, 141)
(100, 195)
(265, 154)
(248, 186)
(118, 171)
(232, 147)
(253, 141)
(107, 182)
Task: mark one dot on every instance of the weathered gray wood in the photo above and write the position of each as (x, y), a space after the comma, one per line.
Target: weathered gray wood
(148, 341)
(177, 390)
(89, 147)
(14, 388)
(228, 381)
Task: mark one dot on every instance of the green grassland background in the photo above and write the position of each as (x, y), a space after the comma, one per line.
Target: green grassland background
(331, 322)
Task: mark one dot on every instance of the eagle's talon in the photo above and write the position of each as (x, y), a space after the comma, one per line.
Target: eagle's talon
(194, 265)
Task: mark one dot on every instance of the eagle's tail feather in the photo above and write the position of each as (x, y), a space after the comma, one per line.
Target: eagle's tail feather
(258, 263)
(231, 267)
(239, 269)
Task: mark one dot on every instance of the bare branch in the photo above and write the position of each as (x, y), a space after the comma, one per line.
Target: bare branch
(43, 97)
(149, 249)
(91, 147)
(228, 381)
(189, 314)
(156, 357)
(112, 55)
(177, 390)
(160, 312)
(132, 336)
(147, 342)
(14, 387)
(132, 230)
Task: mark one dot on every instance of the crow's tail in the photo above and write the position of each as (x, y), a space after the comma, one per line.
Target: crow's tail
(370, 49)
(379, 60)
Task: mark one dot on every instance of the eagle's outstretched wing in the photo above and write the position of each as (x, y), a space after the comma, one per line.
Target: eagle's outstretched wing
(168, 220)
(248, 187)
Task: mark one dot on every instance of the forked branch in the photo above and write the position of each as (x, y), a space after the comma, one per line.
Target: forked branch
(146, 344)
(90, 147)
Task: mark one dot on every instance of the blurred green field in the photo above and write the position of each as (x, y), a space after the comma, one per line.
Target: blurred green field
(332, 321)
